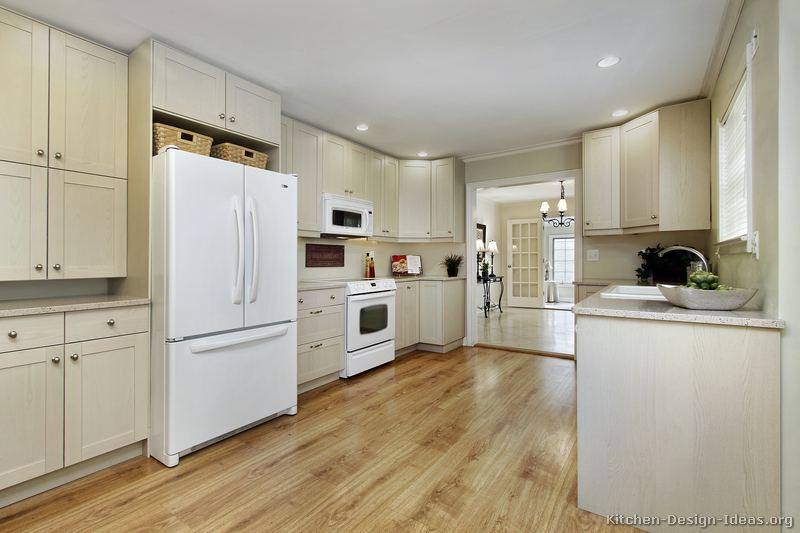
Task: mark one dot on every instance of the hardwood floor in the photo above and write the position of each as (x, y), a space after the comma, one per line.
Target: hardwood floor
(473, 440)
(549, 331)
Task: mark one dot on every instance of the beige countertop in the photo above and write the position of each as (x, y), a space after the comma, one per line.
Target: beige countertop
(312, 284)
(596, 305)
(424, 277)
(604, 282)
(41, 306)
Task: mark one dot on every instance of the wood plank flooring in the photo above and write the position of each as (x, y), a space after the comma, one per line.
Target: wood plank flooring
(473, 440)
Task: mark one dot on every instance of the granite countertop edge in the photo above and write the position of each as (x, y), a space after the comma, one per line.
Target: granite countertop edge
(596, 305)
(41, 306)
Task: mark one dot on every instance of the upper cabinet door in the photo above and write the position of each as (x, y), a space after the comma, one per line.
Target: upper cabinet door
(415, 197)
(601, 179)
(88, 107)
(188, 86)
(356, 171)
(639, 172)
(287, 125)
(23, 222)
(442, 201)
(307, 164)
(335, 152)
(374, 186)
(252, 110)
(23, 104)
(87, 226)
(389, 197)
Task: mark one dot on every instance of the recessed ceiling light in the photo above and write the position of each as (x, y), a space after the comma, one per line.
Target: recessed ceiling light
(619, 113)
(609, 61)
(422, 154)
(362, 127)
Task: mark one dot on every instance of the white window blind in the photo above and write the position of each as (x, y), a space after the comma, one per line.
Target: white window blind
(563, 254)
(733, 168)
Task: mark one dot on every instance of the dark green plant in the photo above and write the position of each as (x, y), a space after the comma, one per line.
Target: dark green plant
(669, 266)
(485, 268)
(452, 261)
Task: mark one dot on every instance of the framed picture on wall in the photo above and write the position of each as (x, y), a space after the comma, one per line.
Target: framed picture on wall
(480, 233)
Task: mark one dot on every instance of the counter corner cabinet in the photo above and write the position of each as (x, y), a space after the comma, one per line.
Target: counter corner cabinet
(70, 161)
(75, 385)
(430, 314)
(431, 200)
(651, 173)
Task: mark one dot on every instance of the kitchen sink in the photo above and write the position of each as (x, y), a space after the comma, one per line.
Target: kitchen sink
(634, 292)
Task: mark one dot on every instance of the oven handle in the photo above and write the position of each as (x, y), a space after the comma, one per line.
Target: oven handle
(371, 296)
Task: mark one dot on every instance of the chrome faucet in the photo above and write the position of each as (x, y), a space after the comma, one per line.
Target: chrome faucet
(686, 249)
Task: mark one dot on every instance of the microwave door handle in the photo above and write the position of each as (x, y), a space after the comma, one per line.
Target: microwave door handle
(366, 218)
(253, 290)
(236, 295)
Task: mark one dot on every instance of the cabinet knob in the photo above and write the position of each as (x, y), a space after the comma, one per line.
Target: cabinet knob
(38, 266)
(653, 217)
(12, 334)
(111, 322)
(222, 116)
(333, 296)
(56, 359)
(40, 152)
(57, 155)
(57, 266)
(408, 287)
(74, 357)
(588, 223)
(233, 119)
(450, 231)
(300, 301)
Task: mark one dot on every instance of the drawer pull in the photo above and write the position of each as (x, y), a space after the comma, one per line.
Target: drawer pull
(74, 357)
(111, 322)
(318, 311)
(333, 296)
(314, 346)
(56, 359)
(12, 334)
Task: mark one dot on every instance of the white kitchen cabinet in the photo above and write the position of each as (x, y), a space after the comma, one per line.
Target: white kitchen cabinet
(335, 152)
(88, 107)
(389, 197)
(319, 359)
(374, 191)
(24, 58)
(601, 154)
(415, 200)
(87, 226)
(442, 187)
(306, 162)
(187, 86)
(252, 110)
(639, 172)
(441, 312)
(105, 395)
(406, 314)
(286, 145)
(23, 221)
(356, 171)
(31, 413)
(320, 336)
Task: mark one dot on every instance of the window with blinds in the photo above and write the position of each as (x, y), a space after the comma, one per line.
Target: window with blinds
(733, 167)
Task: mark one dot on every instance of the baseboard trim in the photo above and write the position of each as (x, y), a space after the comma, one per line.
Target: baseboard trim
(523, 350)
(316, 383)
(35, 486)
(440, 349)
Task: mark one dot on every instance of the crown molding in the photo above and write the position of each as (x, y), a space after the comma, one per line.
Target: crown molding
(726, 28)
(522, 150)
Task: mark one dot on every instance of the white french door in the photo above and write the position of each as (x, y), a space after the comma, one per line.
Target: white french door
(524, 253)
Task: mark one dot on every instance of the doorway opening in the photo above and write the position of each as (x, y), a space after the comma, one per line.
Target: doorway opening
(525, 262)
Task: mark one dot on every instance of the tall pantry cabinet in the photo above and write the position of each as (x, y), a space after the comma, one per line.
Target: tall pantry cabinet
(63, 151)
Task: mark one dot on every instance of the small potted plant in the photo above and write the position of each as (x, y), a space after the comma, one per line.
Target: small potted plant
(452, 262)
(485, 270)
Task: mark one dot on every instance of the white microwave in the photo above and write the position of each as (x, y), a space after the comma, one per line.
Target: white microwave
(343, 216)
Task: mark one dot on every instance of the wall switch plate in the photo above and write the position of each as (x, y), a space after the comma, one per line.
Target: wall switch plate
(593, 255)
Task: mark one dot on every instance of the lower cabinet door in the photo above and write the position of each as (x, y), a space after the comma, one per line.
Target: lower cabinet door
(431, 307)
(411, 314)
(87, 226)
(105, 396)
(317, 359)
(31, 413)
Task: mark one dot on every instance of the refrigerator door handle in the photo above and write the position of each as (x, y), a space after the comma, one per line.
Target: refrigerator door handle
(253, 290)
(238, 287)
(208, 345)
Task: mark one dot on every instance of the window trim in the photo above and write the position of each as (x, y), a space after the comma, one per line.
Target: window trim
(552, 252)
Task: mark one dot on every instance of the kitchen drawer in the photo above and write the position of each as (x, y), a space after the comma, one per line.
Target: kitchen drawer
(320, 323)
(99, 323)
(317, 359)
(319, 298)
(31, 331)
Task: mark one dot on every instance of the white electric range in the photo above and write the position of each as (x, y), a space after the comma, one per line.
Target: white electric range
(369, 325)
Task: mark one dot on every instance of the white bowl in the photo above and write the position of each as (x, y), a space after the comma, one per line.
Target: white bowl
(706, 299)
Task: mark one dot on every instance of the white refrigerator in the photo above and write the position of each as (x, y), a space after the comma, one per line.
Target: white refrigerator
(224, 277)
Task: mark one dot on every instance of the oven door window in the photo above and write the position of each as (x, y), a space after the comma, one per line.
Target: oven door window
(373, 318)
(346, 219)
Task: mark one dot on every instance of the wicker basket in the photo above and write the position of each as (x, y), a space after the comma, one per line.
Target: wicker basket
(239, 154)
(189, 141)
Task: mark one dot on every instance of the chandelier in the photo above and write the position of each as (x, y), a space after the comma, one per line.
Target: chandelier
(561, 221)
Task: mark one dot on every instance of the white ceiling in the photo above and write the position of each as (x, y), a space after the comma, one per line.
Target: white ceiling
(534, 192)
(460, 77)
